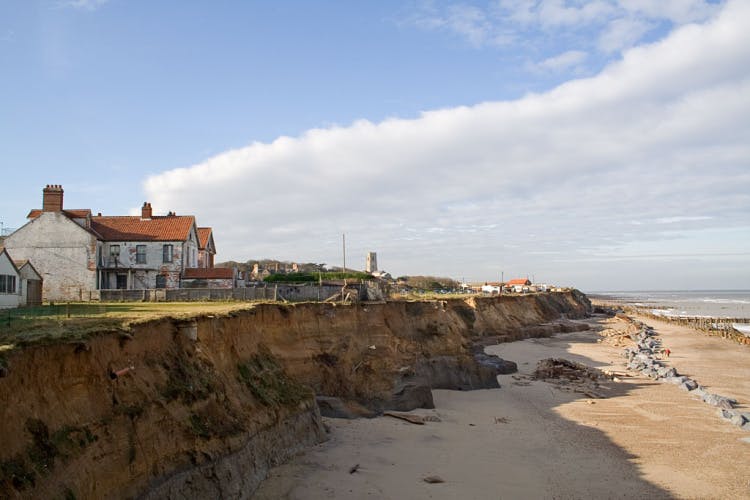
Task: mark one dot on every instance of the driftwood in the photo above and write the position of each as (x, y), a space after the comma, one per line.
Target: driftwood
(414, 419)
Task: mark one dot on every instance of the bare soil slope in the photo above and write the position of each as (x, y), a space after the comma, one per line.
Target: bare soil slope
(203, 407)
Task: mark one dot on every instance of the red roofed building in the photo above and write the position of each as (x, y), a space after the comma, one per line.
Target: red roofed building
(519, 281)
(78, 252)
(209, 277)
(518, 285)
(206, 247)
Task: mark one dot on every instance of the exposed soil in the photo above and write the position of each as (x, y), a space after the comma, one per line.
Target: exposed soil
(204, 407)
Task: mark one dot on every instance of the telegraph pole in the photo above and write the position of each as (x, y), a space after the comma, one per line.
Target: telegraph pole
(343, 240)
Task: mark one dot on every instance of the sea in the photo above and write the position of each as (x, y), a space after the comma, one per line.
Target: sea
(696, 303)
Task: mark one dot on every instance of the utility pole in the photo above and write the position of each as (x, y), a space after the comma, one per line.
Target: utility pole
(343, 239)
(502, 276)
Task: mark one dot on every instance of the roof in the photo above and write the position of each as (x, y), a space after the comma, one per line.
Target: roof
(134, 228)
(76, 213)
(518, 281)
(204, 234)
(25, 262)
(4, 251)
(208, 273)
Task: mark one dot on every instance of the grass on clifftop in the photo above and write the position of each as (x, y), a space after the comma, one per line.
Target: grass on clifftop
(77, 321)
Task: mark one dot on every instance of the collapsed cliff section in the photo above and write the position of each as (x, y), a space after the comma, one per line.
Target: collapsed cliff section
(204, 407)
(115, 416)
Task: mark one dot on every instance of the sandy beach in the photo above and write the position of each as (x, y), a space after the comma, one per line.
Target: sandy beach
(534, 439)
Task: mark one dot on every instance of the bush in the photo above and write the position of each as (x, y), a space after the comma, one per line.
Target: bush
(315, 277)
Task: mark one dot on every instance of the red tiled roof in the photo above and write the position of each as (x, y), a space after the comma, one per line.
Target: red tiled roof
(204, 233)
(208, 273)
(76, 213)
(133, 228)
(518, 281)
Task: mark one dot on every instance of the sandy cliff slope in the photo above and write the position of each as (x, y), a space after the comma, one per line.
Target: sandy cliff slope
(203, 408)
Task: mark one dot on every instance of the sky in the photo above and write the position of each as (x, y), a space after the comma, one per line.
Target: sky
(601, 144)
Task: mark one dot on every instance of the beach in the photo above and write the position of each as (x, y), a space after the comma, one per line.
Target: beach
(537, 439)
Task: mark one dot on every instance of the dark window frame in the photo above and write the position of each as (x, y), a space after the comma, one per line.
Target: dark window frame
(167, 253)
(8, 284)
(140, 254)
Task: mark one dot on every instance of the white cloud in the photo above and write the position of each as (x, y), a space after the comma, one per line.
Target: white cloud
(85, 4)
(560, 62)
(566, 24)
(466, 21)
(677, 11)
(622, 33)
(561, 13)
(662, 135)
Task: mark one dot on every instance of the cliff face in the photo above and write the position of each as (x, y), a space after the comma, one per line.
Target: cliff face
(204, 407)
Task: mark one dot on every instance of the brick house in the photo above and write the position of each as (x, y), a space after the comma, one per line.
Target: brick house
(150, 251)
(77, 252)
(206, 248)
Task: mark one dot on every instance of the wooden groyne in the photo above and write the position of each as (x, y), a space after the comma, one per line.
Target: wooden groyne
(719, 327)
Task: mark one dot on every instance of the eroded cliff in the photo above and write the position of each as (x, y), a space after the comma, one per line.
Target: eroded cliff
(202, 408)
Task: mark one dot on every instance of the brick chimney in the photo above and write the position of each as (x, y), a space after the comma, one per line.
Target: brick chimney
(146, 211)
(52, 199)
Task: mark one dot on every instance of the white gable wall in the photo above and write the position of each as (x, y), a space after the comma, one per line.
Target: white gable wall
(62, 251)
(7, 268)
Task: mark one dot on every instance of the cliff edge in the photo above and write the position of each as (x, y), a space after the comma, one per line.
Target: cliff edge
(202, 408)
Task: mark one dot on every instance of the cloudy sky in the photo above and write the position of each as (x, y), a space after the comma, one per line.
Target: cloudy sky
(603, 144)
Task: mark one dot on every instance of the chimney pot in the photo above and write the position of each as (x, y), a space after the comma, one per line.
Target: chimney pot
(146, 211)
(52, 198)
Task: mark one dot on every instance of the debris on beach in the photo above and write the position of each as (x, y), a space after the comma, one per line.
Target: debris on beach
(571, 376)
(433, 479)
(353, 468)
(413, 419)
(559, 368)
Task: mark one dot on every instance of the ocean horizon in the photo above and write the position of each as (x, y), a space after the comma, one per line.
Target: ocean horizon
(708, 303)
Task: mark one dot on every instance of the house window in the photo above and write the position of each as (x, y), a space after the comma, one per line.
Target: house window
(167, 251)
(140, 254)
(161, 280)
(7, 283)
(114, 251)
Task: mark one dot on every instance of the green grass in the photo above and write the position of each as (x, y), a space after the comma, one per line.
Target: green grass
(188, 381)
(78, 321)
(314, 277)
(268, 382)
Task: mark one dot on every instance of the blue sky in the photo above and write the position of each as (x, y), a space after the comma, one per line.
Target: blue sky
(602, 144)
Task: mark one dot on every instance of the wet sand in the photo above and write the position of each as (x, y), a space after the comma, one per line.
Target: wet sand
(533, 439)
